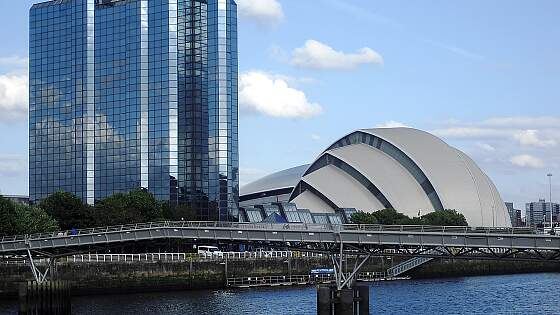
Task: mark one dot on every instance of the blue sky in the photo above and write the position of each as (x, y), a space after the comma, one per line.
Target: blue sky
(483, 75)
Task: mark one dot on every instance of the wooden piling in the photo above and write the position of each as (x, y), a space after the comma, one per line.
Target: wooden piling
(52, 298)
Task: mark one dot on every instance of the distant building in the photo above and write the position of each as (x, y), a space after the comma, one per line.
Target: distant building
(514, 215)
(537, 212)
(18, 199)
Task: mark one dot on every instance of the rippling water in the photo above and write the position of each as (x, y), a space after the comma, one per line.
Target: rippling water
(512, 294)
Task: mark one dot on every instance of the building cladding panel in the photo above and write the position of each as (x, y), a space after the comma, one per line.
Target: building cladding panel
(136, 93)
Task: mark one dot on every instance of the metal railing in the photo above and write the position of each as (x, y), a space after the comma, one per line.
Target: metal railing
(300, 279)
(171, 257)
(277, 226)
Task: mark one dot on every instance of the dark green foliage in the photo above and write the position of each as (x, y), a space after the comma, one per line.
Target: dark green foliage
(144, 202)
(116, 210)
(364, 218)
(136, 206)
(17, 218)
(392, 217)
(68, 210)
(32, 219)
(445, 218)
(7, 216)
(178, 212)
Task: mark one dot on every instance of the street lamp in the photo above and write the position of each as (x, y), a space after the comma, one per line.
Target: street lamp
(550, 198)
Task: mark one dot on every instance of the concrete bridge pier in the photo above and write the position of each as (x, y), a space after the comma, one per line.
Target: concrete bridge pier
(346, 301)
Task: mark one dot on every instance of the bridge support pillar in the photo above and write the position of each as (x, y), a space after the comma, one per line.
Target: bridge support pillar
(346, 301)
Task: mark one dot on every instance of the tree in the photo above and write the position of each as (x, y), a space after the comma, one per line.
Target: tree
(390, 217)
(32, 219)
(177, 212)
(68, 210)
(7, 216)
(445, 217)
(114, 210)
(136, 206)
(363, 218)
(144, 202)
(18, 218)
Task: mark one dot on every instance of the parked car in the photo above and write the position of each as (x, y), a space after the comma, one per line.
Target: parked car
(210, 251)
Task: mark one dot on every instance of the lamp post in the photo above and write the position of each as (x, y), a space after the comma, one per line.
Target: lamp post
(550, 198)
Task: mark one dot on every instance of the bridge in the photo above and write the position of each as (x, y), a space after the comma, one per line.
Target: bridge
(421, 243)
(336, 240)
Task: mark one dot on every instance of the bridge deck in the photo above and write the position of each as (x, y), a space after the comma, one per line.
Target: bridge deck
(411, 240)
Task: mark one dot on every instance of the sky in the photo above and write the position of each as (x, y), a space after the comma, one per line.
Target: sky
(482, 75)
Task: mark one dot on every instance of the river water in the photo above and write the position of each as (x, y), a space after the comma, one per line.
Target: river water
(511, 294)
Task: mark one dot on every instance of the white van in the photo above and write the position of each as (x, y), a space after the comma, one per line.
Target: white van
(210, 251)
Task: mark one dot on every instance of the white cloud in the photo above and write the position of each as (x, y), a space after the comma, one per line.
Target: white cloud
(262, 11)
(391, 124)
(486, 147)
(537, 132)
(260, 92)
(12, 165)
(526, 160)
(471, 132)
(315, 137)
(531, 138)
(316, 55)
(292, 80)
(13, 97)
(523, 122)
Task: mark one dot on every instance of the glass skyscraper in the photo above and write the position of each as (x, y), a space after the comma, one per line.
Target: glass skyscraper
(135, 93)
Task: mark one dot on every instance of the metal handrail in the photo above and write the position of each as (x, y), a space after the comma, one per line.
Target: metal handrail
(150, 257)
(268, 226)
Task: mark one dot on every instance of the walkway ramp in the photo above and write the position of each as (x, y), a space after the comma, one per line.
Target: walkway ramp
(412, 263)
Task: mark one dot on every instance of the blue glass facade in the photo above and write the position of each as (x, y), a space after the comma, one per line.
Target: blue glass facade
(136, 93)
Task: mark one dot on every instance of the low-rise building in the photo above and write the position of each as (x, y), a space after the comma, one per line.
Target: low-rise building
(538, 212)
(18, 199)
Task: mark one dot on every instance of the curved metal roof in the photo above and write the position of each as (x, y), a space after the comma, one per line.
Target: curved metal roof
(458, 181)
(282, 179)
(413, 169)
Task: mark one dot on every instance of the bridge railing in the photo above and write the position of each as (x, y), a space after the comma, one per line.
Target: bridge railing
(299, 279)
(269, 226)
(173, 224)
(171, 257)
(439, 229)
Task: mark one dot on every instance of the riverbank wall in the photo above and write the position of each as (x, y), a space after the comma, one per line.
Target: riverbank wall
(133, 277)
(447, 268)
(92, 278)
